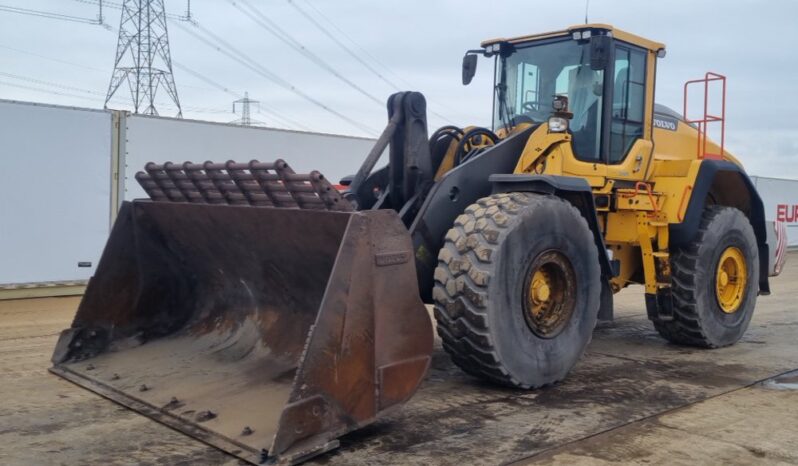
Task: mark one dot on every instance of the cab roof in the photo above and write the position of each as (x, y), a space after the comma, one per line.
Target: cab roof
(617, 33)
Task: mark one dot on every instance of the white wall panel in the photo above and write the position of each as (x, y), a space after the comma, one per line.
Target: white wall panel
(54, 191)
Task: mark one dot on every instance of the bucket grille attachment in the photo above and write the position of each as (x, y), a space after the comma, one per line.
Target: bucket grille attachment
(258, 320)
(262, 184)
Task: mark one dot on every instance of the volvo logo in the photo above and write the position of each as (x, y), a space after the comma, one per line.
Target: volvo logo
(665, 123)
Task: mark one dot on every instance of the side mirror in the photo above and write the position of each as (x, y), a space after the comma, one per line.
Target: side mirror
(469, 68)
(600, 52)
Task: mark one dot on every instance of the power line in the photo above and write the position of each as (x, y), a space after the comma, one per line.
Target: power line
(50, 83)
(118, 6)
(277, 116)
(57, 60)
(231, 52)
(346, 48)
(362, 49)
(87, 91)
(47, 14)
(66, 94)
(97, 70)
(205, 79)
(106, 3)
(101, 99)
(271, 27)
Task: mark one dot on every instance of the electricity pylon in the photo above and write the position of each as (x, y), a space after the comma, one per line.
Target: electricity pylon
(142, 56)
(246, 119)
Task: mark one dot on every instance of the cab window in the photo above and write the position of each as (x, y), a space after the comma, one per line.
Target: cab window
(528, 83)
(528, 79)
(628, 101)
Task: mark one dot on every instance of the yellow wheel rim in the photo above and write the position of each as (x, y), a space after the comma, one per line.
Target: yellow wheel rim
(731, 279)
(549, 295)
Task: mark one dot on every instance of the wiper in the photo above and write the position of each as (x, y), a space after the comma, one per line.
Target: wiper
(504, 112)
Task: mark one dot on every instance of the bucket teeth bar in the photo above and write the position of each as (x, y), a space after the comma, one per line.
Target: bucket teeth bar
(261, 184)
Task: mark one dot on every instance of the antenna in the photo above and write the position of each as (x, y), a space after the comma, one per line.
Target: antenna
(587, 5)
(143, 59)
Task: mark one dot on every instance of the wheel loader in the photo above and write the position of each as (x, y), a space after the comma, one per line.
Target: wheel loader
(267, 313)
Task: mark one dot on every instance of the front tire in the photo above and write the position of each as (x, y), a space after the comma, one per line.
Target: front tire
(714, 282)
(517, 289)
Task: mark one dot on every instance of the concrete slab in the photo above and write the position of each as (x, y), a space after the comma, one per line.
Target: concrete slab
(626, 381)
(746, 426)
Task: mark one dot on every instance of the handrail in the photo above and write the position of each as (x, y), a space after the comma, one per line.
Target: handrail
(701, 148)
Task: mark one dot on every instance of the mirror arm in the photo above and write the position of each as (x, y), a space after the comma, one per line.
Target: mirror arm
(477, 52)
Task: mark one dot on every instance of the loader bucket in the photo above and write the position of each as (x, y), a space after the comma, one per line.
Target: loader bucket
(264, 331)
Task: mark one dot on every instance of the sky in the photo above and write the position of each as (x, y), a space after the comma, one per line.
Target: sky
(410, 45)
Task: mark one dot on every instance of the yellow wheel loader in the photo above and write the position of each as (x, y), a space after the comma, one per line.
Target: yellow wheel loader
(266, 313)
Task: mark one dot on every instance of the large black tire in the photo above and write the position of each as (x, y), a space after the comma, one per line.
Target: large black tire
(698, 319)
(481, 285)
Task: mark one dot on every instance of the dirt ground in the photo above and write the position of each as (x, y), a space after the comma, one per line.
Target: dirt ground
(633, 398)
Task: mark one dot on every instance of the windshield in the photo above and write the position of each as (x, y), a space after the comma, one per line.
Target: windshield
(528, 80)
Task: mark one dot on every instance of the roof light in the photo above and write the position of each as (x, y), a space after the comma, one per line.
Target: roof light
(586, 34)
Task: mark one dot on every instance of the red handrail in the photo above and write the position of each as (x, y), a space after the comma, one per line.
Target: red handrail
(702, 123)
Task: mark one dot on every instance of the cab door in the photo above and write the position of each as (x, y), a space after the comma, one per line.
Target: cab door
(584, 157)
(630, 148)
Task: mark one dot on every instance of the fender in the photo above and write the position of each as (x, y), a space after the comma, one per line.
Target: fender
(572, 189)
(708, 173)
(449, 197)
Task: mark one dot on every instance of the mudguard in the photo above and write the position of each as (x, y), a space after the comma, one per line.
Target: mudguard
(448, 198)
(710, 170)
(574, 190)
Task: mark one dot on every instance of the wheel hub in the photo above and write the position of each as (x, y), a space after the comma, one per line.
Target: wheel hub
(731, 279)
(549, 294)
(540, 288)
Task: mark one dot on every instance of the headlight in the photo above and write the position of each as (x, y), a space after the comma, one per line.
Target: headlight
(558, 124)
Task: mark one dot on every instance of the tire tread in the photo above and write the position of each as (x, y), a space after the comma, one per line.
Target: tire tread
(465, 267)
(686, 327)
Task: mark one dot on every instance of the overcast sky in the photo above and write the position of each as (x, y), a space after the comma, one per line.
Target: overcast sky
(419, 45)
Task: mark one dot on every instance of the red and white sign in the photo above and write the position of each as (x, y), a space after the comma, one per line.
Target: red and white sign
(787, 213)
(780, 198)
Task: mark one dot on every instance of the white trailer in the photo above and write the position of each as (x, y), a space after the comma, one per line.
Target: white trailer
(55, 194)
(65, 172)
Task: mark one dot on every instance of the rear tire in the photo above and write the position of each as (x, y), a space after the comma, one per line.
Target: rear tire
(698, 302)
(493, 316)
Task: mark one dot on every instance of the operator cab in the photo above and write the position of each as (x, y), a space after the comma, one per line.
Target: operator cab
(604, 75)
